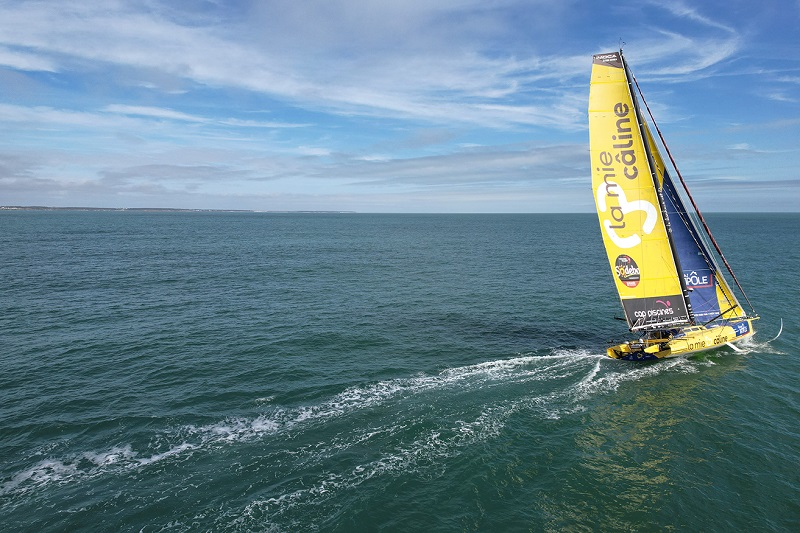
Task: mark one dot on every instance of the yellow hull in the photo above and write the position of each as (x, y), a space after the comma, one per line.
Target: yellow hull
(684, 341)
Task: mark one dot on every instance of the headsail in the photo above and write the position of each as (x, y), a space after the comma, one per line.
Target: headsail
(690, 244)
(710, 295)
(632, 213)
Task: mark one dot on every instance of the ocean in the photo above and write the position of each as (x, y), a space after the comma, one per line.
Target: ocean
(174, 371)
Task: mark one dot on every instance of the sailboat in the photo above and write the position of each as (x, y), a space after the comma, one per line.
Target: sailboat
(674, 295)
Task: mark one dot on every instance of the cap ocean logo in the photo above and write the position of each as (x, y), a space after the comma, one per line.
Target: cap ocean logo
(627, 270)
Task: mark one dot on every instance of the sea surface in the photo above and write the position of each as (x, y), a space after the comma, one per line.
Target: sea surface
(354, 372)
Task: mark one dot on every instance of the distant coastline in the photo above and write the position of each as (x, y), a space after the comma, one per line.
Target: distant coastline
(151, 209)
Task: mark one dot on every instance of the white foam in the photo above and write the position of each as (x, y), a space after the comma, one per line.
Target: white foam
(751, 345)
(177, 450)
(581, 373)
(84, 465)
(432, 446)
(112, 456)
(43, 473)
(362, 397)
(435, 445)
(263, 400)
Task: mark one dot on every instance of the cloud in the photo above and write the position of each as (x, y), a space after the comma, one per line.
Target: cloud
(351, 99)
(681, 10)
(542, 165)
(740, 147)
(678, 58)
(169, 114)
(780, 96)
(438, 63)
(154, 112)
(15, 166)
(379, 59)
(22, 60)
(172, 173)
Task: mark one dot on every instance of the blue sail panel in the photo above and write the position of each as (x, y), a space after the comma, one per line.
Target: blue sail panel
(698, 272)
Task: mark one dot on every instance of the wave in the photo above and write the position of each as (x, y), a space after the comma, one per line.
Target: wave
(752, 345)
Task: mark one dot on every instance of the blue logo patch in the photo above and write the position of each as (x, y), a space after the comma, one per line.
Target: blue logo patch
(741, 328)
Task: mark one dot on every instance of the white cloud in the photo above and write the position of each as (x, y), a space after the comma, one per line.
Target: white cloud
(291, 50)
(680, 9)
(353, 99)
(170, 114)
(155, 112)
(22, 60)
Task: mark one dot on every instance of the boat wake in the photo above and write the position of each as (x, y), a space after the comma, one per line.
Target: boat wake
(401, 425)
(752, 345)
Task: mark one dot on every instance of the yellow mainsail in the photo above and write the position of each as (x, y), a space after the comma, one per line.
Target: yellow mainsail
(626, 191)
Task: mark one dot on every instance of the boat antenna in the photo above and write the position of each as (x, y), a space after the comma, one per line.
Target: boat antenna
(691, 199)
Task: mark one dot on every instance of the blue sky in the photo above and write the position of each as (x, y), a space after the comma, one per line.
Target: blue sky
(384, 106)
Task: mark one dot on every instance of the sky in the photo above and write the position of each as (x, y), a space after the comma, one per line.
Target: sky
(402, 106)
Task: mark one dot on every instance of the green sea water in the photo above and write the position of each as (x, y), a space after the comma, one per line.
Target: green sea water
(353, 372)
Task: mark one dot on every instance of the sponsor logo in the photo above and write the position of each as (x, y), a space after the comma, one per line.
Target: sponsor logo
(741, 328)
(619, 211)
(697, 281)
(657, 313)
(627, 271)
(607, 57)
(696, 345)
(611, 60)
(654, 310)
(654, 313)
(611, 196)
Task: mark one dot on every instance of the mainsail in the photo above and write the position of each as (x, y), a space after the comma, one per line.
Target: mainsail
(632, 213)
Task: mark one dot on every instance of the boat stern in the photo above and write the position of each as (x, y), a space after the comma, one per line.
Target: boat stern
(642, 350)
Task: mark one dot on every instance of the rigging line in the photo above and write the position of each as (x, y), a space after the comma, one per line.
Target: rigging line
(699, 214)
(722, 313)
(653, 168)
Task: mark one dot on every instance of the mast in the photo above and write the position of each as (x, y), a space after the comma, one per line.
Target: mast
(659, 192)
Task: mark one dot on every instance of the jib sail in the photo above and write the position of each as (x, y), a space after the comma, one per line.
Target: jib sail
(709, 294)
